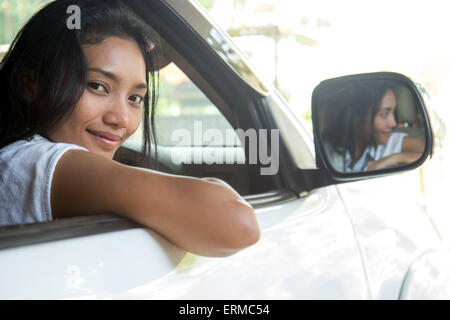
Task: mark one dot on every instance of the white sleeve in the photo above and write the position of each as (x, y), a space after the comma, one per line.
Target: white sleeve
(393, 146)
(26, 172)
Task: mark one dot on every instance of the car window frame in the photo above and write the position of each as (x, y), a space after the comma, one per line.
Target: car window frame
(81, 226)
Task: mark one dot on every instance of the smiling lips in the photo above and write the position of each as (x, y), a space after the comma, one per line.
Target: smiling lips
(105, 138)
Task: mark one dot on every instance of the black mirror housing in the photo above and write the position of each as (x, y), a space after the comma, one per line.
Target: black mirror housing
(369, 125)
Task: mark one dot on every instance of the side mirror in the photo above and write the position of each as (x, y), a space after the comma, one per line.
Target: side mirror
(370, 125)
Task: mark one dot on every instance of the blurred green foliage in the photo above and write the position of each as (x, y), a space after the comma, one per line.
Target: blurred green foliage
(207, 4)
(14, 14)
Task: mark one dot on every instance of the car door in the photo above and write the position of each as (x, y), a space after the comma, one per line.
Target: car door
(307, 249)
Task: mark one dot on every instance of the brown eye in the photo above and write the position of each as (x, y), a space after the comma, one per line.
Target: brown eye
(97, 87)
(384, 114)
(137, 99)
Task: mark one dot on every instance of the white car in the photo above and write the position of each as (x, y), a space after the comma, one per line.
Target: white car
(325, 235)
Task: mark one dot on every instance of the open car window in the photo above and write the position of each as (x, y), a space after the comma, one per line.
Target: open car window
(196, 136)
(185, 116)
(195, 128)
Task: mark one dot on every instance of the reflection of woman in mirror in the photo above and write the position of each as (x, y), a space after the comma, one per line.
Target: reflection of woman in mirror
(364, 135)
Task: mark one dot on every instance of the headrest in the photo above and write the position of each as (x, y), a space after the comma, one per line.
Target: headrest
(406, 110)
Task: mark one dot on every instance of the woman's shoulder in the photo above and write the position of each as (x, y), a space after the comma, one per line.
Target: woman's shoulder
(26, 170)
(336, 158)
(34, 144)
(35, 153)
(397, 136)
(393, 146)
(22, 145)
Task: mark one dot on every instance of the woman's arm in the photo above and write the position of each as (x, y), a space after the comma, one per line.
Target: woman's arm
(203, 216)
(410, 144)
(412, 149)
(393, 160)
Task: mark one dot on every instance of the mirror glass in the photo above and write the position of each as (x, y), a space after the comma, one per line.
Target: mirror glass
(368, 124)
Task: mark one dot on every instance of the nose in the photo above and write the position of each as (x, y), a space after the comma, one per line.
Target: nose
(392, 123)
(117, 114)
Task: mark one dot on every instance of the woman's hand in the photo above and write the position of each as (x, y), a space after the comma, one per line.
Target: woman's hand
(383, 163)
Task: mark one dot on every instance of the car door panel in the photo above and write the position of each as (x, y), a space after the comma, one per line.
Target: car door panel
(307, 250)
(392, 229)
(428, 277)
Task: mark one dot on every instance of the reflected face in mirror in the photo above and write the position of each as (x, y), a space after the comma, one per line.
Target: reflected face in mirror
(370, 126)
(384, 120)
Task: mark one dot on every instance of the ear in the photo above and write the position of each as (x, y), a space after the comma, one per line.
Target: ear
(28, 84)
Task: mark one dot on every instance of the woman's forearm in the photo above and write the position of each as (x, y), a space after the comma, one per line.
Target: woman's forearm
(408, 157)
(411, 144)
(206, 217)
(394, 160)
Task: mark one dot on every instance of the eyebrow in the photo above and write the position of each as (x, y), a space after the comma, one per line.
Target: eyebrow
(113, 77)
(388, 107)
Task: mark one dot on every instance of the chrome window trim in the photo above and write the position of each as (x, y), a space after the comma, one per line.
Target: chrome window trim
(37, 233)
(29, 234)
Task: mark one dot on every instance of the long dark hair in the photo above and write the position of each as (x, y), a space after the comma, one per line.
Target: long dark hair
(53, 53)
(349, 108)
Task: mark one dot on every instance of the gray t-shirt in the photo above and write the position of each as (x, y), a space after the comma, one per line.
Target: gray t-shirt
(26, 171)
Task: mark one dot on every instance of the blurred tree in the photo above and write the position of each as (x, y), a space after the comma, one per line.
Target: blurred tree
(207, 4)
(13, 15)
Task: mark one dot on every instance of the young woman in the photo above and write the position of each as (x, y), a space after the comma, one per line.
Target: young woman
(362, 138)
(69, 98)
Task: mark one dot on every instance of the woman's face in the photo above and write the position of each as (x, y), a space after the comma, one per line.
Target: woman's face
(384, 119)
(383, 122)
(109, 110)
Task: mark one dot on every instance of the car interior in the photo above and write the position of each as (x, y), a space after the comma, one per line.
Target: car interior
(409, 120)
(188, 102)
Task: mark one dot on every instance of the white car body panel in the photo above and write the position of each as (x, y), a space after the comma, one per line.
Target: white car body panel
(428, 277)
(307, 251)
(392, 229)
